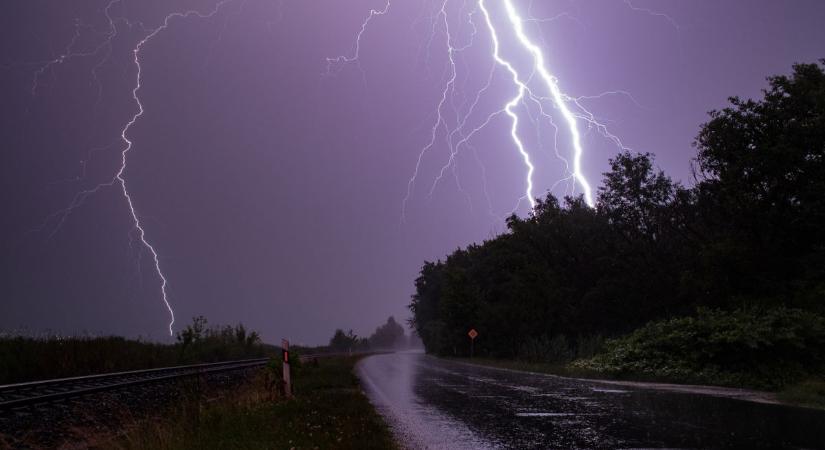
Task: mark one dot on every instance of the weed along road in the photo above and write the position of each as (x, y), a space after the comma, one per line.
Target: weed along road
(433, 403)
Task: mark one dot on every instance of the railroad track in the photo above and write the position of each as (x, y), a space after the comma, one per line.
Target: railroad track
(35, 392)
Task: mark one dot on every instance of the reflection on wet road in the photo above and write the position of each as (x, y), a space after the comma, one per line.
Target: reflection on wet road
(432, 403)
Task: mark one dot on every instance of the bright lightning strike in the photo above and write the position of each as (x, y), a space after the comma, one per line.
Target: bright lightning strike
(458, 125)
(459, 128)
(524, 95)
(508, 108)
(559, 98)
(119, 178)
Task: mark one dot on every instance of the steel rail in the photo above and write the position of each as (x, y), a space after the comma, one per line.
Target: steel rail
(78, 386)
(44, 391)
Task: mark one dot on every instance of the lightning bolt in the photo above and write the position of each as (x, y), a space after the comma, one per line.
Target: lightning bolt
(70, 53)
(558, 98)
(654, 13)
(458, 122)
(459, 128)
(119, 178)
(562, 15)
(515, 101)
(334, 64)
(440, 120)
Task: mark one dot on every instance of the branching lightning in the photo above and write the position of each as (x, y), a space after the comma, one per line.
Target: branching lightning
(457, 116)
(119, 178)
(536, 92)
(335, 63)
(654, 13)
(559, 98)
(515, 101)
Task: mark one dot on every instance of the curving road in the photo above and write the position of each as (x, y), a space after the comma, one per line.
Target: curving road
(433, 403)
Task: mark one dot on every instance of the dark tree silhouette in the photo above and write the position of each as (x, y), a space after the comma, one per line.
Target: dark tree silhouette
(388, 336)
(341, 341)
(750, 233)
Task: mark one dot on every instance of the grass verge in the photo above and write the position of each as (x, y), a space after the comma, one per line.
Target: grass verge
(809, 393)
(329, 411)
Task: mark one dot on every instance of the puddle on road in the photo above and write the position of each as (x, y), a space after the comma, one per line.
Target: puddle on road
(417, 424)
(609, 391)
(436, 404)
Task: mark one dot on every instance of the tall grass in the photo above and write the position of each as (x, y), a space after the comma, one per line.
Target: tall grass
(328, 411)
(34, 358)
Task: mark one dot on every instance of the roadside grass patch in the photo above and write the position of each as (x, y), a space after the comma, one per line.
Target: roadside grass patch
(328, 411)
(29, 358)
(810, 393)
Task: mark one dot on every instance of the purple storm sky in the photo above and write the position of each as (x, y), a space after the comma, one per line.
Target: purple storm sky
(272, 191)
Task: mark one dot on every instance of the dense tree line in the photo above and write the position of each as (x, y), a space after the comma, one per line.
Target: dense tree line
(749, 233)
(386, 337)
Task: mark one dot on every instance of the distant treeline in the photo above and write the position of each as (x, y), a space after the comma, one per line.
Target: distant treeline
(389, 336)
(749, 235)
(27, 358)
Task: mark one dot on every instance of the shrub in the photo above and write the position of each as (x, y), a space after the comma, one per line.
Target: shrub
(589, 346)
(546, 350)
(746, 347)
(41, 357)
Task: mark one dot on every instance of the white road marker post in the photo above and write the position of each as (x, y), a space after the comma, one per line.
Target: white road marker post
(287, 380)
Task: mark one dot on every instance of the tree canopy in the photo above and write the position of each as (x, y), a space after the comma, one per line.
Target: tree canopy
(749, 232)
(388, 336)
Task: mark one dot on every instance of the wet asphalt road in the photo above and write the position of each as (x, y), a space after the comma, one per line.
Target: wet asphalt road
(432, 403)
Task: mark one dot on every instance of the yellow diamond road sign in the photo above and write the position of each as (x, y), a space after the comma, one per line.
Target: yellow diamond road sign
(472, 333)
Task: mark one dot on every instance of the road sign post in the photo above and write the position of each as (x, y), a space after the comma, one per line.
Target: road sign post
(287, 380)
(473, 335)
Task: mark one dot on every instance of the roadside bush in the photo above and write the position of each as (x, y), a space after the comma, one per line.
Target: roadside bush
(747, 347)
(53, 356)
(546, 350)
(589, 346)
(33, 358)
(809, 393)
(201, 343)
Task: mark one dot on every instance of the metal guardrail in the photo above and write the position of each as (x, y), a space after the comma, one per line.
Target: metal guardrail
(23, 394)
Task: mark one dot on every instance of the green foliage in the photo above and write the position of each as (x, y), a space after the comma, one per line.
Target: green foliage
(809, 393)
(275, 365)
(761, 197)
(565, 270)
(329, 411)
(544, 349)
(200, 343)
(26, 359)
(388, 336)
(749, 233)
(751, 347)
(343, 342)
(589, 346)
